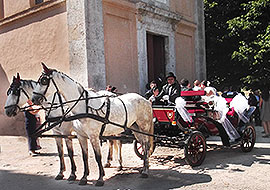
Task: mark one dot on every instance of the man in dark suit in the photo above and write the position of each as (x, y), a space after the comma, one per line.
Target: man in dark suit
(171, 90)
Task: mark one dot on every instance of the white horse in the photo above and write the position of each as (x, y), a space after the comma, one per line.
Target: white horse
(22, 90)
(107, 114)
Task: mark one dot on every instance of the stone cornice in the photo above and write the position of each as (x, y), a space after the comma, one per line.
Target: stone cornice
(144, 9)
(29, 11)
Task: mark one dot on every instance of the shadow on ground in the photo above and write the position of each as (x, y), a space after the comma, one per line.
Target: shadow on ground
(158, 179)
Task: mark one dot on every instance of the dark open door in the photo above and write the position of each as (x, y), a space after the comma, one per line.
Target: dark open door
(155, 56)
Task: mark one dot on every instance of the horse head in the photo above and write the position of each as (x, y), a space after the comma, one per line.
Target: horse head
(44, 87)
(15, 99)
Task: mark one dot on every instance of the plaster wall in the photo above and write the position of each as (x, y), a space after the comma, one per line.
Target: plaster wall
(183, 7)
(185, 47)
(120, 43)
(27, 41)
(13, 6)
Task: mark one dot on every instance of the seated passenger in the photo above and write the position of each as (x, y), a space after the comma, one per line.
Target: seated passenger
(185, 86)
(171, 90)
(149, 93)
(153, 99)
(197, 85)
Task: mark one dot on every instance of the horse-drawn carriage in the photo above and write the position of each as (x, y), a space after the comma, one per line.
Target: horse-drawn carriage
(102, 115)
(171, 130)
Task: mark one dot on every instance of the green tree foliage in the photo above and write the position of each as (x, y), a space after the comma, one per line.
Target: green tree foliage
(237, 42)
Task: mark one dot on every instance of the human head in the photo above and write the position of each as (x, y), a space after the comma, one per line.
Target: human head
(111, 88)
(155, 91)
(153, 84)
(114, 89)
(196, 83)
(184, 82)
(170, 78)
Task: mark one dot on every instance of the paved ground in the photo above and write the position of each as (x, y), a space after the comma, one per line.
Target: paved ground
(222, 168)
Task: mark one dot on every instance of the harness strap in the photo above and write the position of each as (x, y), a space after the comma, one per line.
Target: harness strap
(125, 124)
(86, 101)
(25, 93)
(106, 119)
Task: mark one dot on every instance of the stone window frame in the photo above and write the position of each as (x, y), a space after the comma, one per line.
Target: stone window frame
(168, 33)
(36, 2)
(159, 22)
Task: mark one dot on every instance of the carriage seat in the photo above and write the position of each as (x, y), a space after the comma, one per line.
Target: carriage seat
(192, 96)
(194, 106)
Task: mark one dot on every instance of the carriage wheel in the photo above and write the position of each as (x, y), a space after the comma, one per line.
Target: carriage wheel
(248, 139)
(195, 149)
(138, 149)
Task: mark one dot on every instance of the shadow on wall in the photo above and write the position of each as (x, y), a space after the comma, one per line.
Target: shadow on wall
(8, 126)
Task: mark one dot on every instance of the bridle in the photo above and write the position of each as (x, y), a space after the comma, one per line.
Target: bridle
(16, 90)
(45, 81)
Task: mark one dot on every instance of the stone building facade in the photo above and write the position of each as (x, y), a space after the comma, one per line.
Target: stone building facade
(125, 43)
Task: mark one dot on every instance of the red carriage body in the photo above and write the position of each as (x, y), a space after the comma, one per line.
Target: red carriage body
(164, 114)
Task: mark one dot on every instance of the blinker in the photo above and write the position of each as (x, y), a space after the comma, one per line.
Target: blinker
(44, 81)
(14, 91)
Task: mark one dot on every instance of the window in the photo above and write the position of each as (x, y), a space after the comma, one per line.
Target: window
(38, 1)
(35, 2)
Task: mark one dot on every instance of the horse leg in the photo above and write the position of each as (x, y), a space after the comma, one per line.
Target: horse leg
(109, 158)
(118, 147)
(69, 146)
(145, 142)
(59, 144)
(145, 170)
(84, 147)
(96, 146)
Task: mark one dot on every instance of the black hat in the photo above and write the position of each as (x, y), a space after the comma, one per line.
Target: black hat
(170, 74)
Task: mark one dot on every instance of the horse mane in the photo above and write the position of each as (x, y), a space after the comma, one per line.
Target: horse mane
(63, 75)
(28, 83)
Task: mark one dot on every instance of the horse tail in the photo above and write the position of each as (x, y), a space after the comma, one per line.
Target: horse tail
(151, 139)
(151, 131)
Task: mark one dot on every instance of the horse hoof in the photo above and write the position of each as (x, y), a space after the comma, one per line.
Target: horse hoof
(144, 175)
(59, 177)
(83, 181)
(99, 183)
(107, 165)
(72, 177)
(119, 168)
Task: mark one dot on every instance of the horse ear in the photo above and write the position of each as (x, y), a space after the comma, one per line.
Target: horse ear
(14, 79)
(17, 80)
(18, 77)
(46, 69)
